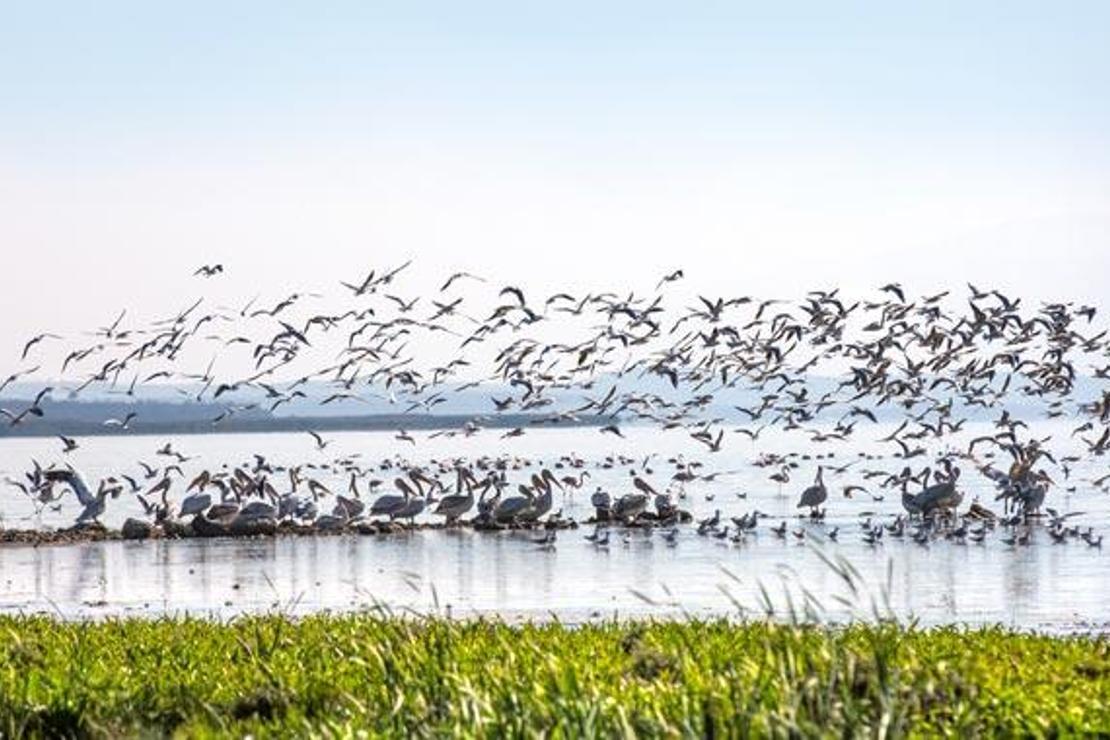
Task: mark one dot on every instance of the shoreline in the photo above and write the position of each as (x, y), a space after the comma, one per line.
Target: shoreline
(202, 528)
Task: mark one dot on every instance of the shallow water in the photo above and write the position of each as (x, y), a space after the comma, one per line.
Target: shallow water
(1041, 586)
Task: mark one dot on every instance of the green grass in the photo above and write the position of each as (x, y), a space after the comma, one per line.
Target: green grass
(340, 675)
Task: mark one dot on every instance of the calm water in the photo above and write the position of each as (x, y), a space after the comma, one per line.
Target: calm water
(1043, 586)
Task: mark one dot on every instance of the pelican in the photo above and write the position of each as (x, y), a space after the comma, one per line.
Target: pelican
(226, 509)
(412, 508)
(509, 509)
(348, 508)
(939, 496)
(816, 494)
(486, 507)
(257, 510)
(602, 503)
(631, 505)
(331, 522)
(389, 505)
(416, 503)
(542, 504)
(454, 507)
(194, 504)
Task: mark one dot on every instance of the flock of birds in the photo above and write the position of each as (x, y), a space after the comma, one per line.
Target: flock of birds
(819, 367)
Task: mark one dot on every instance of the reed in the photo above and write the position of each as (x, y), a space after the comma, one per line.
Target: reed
(386, 675)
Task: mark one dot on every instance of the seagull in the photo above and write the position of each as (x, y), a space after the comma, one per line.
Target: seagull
(321, 443)
(122, 424)
(35, 340)
(93, 503)
(670, 278)
(459, 276)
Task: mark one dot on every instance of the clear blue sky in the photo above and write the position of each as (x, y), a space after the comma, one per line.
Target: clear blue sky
(802, 142)
(570, 73)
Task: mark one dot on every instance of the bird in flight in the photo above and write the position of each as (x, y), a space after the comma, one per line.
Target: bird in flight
(35, 340)
(124, 423)
(460, 276)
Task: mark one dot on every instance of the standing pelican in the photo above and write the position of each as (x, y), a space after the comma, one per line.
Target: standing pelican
(507, 510)
(412, 508)
(631, 505)
(389, 505)
(455, 506)
(487, 507)
(602, 503)
(816, 494)
(195, 504)
(348, 508)
(941, 496)
(542, 504)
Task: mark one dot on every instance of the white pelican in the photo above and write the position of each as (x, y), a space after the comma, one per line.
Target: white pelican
(509, 509)
(454, 507)
(541, 504)
(389, 505)
(631, 505)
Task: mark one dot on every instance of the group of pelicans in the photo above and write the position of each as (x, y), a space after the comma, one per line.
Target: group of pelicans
(240, 500)
(243, 500)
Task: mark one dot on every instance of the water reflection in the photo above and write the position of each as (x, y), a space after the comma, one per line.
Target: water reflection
(469, 573)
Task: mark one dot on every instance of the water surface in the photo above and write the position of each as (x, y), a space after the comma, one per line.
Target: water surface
(1043, 586)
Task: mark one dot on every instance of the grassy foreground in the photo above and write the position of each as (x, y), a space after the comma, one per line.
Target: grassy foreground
(339, 675)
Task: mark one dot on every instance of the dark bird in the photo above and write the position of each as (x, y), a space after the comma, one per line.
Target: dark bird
(35, 340)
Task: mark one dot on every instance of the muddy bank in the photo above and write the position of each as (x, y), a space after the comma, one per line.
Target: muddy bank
(202, 527)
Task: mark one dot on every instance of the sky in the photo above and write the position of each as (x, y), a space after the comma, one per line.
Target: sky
(762, 147)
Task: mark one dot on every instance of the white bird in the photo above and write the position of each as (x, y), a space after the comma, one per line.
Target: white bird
(631, 505)
(347, 508)
(258, 510)
(390, 505)
(509, 509)
(93, 503)
(541, 504)
(454, 507)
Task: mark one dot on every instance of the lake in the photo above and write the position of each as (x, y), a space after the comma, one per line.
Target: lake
(1046, 586)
